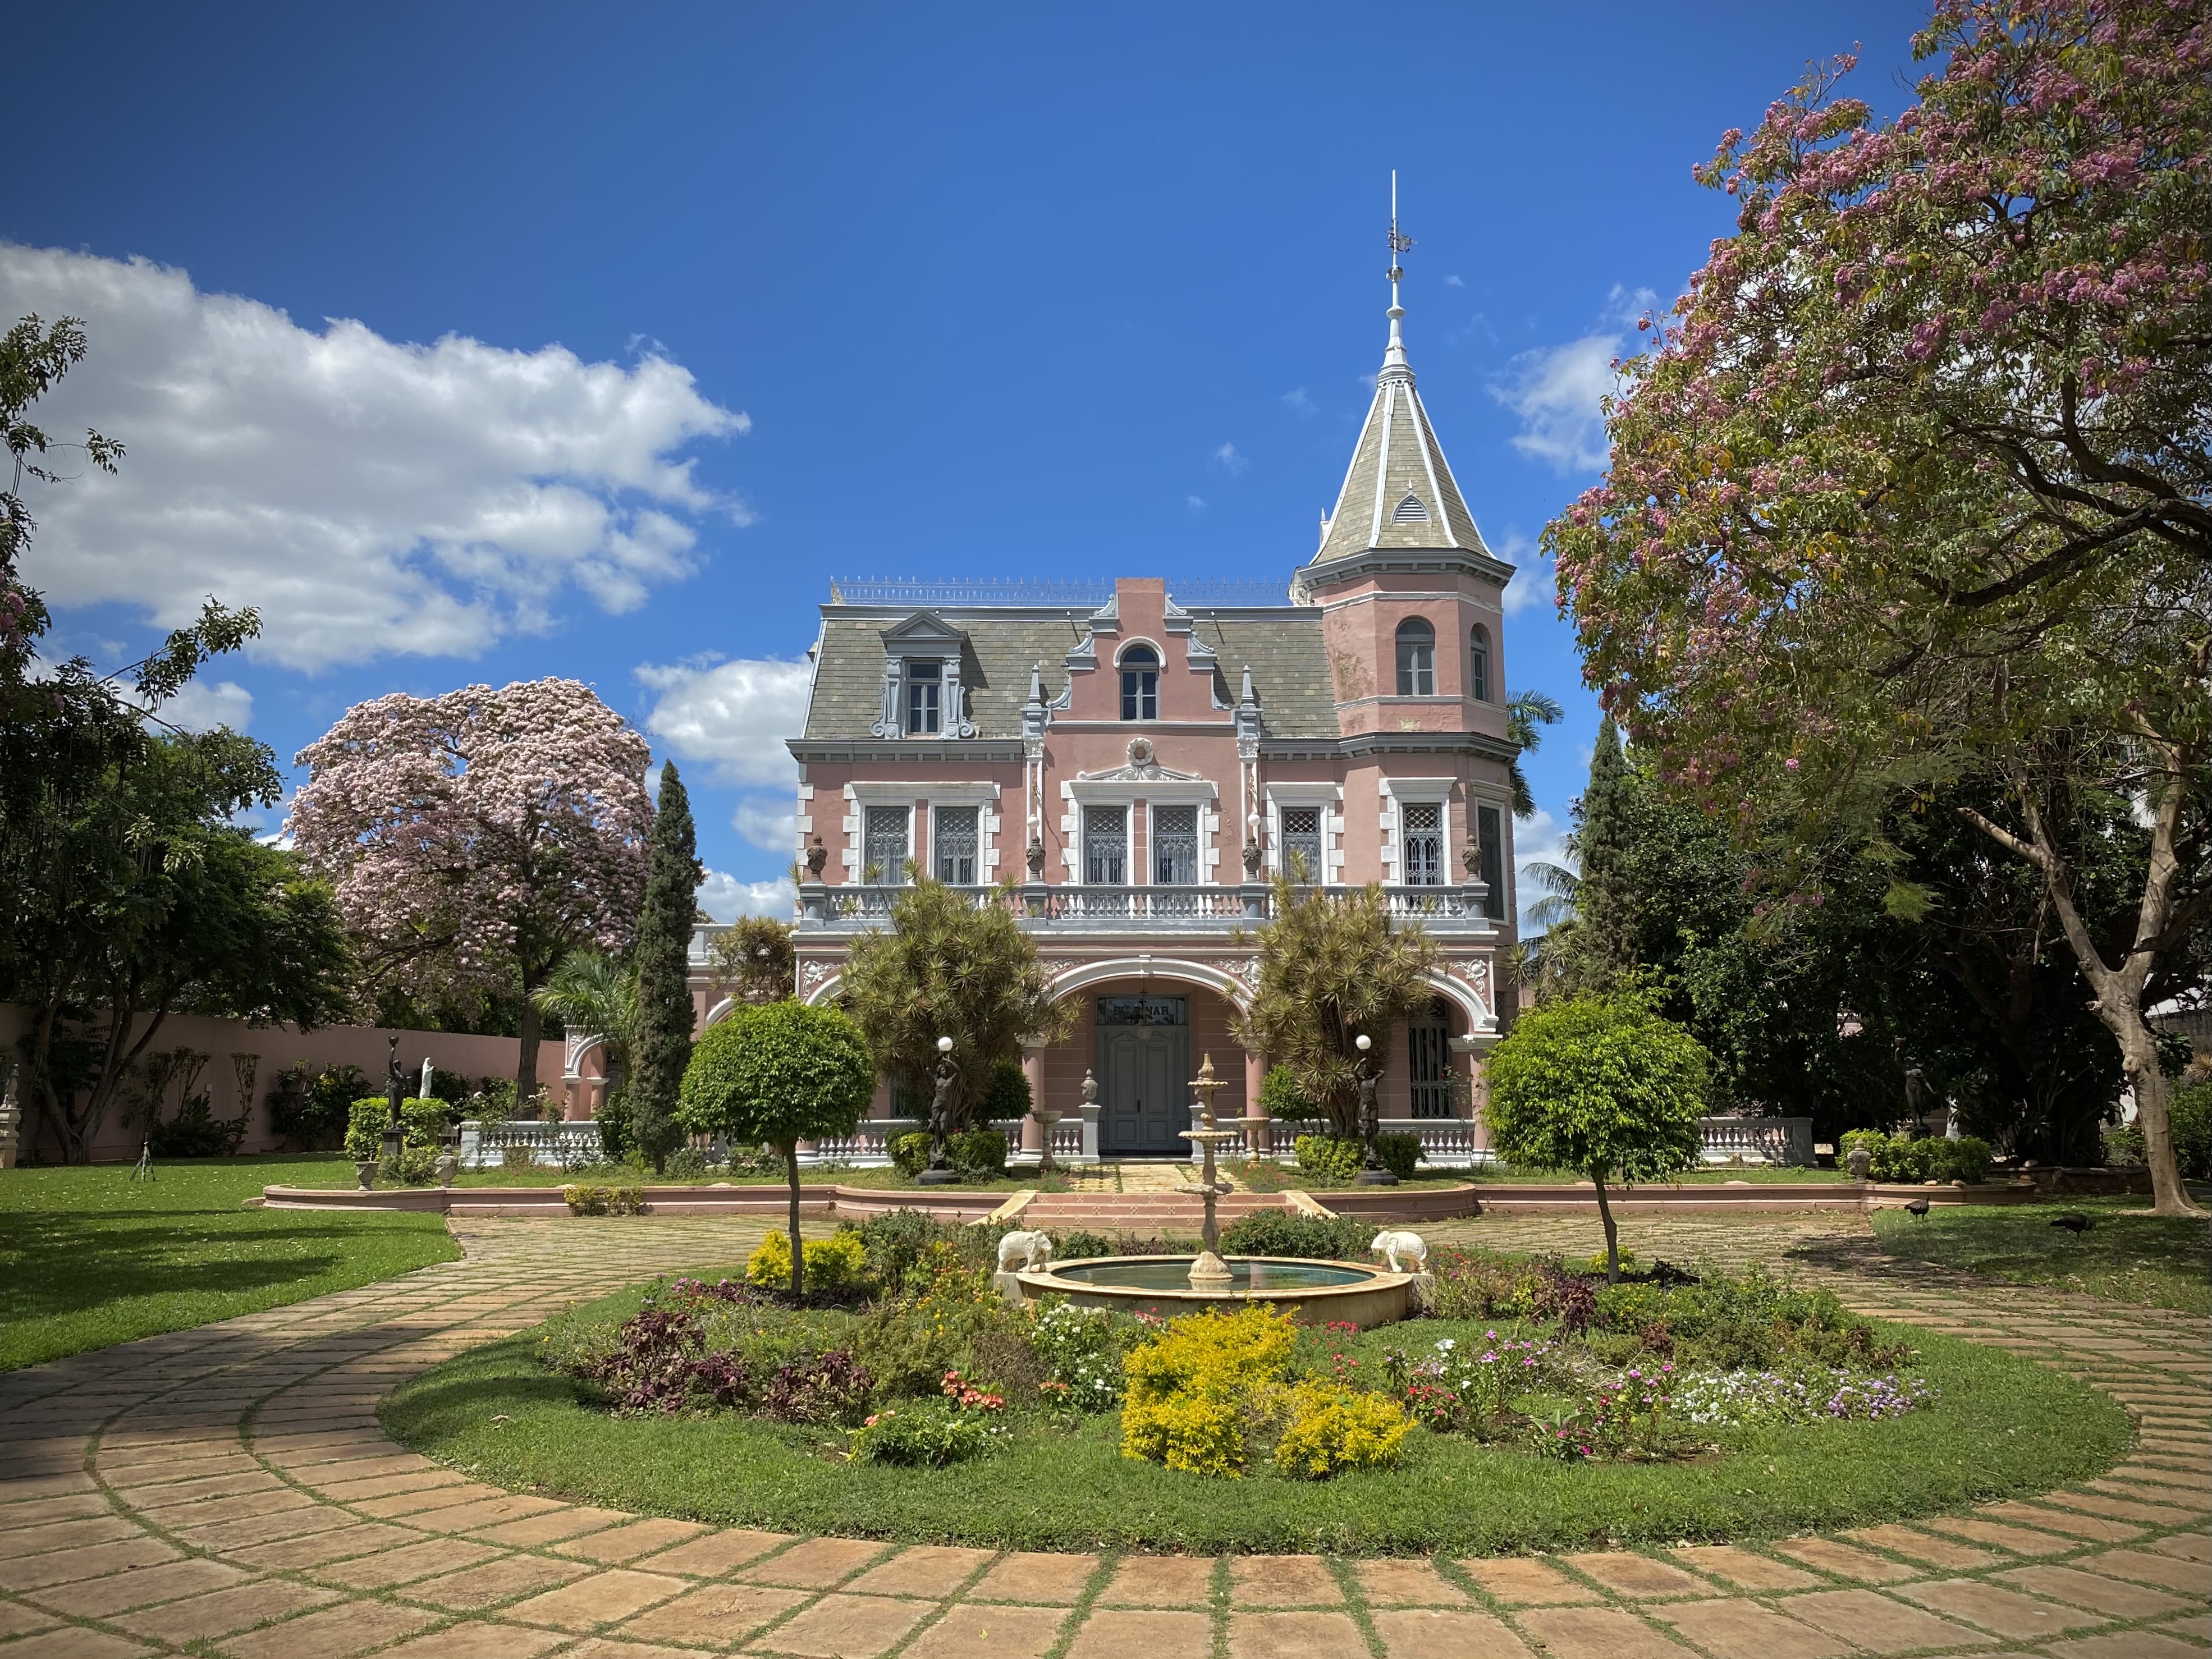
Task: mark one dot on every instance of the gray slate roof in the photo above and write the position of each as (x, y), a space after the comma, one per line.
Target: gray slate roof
(1397, 456)
(1281, 645)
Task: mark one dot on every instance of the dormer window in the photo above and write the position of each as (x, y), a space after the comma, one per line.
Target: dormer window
(1411, 510)
(925, 687)
(1140, 684)
(1417, 658)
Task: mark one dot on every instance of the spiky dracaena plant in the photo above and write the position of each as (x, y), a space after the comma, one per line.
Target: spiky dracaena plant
(1331, 969)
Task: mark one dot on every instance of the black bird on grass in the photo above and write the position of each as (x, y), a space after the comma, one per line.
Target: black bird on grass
(1917, 1209)
(2073, 1222)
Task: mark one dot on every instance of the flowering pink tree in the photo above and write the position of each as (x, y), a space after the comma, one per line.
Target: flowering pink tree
(474, 838)
(1916, 484)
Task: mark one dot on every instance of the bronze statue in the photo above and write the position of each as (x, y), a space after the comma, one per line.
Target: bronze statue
(941, 1170)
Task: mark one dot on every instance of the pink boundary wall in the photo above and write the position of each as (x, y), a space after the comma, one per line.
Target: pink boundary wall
(279, 1046)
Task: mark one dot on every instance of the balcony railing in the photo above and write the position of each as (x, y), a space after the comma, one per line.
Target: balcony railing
(849, 907)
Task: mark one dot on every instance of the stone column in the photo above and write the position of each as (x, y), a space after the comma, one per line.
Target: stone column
(1033, 1070)
(1258, 1137)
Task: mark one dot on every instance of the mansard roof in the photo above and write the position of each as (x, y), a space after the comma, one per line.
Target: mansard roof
(1399, 493)
(1281, 645)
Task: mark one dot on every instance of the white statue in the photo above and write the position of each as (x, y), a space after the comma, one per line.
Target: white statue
(1031, 1251)
(1393, 1245)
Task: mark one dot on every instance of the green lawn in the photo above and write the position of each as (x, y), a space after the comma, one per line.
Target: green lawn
(88, 1257)
(2004, 1425)
(2128, 1254)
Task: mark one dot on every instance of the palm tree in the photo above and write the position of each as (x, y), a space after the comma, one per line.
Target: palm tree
(1525, 711)
(590, 991)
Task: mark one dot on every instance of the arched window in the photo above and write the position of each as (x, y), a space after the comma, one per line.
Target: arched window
(1140, 684)
(1478, 663)
(1417, 658)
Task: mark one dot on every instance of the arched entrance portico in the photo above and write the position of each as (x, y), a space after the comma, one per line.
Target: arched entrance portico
(1145, 1020)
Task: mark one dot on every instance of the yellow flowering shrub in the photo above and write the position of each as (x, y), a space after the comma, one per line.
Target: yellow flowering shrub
(1332, 1429)
(832, 1263)
(1198, 1392)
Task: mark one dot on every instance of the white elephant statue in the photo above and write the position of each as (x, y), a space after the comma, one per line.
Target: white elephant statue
(1392, 1245)
(1029, 1251)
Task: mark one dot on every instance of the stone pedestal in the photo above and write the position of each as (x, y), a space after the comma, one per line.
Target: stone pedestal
(1009, 1285)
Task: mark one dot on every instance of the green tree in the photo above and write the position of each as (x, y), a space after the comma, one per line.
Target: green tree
(1602, 1085)
(777, 1075)
(1527, 713)
(948, 967)
(754, 960)
(661, 1042)
(167, 908)
(590, 991)
(1331, 969)
(1914, 488)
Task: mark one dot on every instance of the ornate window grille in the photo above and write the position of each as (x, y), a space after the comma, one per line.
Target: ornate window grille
(1175, 846)
(953, 839)
(1428, 1052)
(1106, 846)
(884, 845)
(1421, 837)
(1302, 844)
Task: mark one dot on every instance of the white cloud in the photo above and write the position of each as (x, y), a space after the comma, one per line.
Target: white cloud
(1454, 282)
(1531, 576)
(733, 716)
(1298, 401)
(1557, 391)
(1196, 503)
(368, 496)
(1228, 460)
(1541, 838)
(725, 898)
(767, 823)
(202, 707)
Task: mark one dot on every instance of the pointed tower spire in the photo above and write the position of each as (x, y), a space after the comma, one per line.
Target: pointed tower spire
(1399, 492)
(1394, 355)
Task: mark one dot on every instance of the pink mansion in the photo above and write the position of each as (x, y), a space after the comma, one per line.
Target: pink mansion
(1139, 765)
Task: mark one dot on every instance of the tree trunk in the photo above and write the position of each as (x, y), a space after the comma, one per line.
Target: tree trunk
(525, 1065)
(2119, 992)
(1612, 1229)
(798, 1252)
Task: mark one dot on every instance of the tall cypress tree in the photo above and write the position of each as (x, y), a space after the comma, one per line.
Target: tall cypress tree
(1605, 899)
(660, 1049)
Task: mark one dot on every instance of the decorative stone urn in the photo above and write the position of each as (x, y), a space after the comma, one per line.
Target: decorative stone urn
(365, 1173)
(818, 856)
(1857, 1161)
(1036, 860)
(1254, 858)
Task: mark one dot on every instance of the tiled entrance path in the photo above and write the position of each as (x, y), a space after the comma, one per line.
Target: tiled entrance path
(227, 1491)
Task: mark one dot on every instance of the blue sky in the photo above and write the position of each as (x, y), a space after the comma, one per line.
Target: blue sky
(736, 298)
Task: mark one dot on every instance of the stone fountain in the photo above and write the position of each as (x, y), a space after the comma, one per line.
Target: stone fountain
(1209, 1271)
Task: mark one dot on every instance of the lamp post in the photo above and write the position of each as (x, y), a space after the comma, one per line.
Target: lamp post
(940, 1172)
(1371, 1172)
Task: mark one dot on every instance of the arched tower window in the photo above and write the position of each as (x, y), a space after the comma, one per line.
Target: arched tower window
(1417, 658)
(1478, 663)
(1140, 684)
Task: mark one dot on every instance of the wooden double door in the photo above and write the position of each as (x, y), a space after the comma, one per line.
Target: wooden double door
(1144, 1076)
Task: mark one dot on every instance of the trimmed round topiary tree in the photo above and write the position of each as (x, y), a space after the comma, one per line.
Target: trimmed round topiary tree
(779, 1074)
(1600, 1085)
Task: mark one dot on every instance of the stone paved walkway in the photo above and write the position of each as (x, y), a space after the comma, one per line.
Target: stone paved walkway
(227, 1491)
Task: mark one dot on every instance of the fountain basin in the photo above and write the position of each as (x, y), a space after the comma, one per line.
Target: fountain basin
(1313, 1293)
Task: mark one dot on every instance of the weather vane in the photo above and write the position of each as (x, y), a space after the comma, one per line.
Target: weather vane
(1399, 241)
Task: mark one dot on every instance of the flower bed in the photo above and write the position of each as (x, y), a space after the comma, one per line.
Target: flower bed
(1543, 1407)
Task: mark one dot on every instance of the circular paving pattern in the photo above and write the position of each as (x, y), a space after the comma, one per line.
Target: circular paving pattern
(227, 1491)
